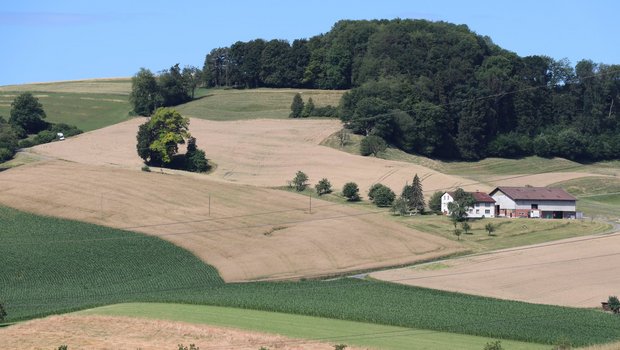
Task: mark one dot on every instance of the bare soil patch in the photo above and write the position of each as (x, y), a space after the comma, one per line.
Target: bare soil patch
(106, 332)
(579, 272)
(244, 231)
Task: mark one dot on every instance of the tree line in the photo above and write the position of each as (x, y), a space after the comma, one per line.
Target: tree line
(26, 126)
(439, 89)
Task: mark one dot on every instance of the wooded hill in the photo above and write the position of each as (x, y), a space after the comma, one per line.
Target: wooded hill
(440, 90)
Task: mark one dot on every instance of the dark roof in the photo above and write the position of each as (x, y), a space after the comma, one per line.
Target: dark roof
(535, 193)
(480, 197)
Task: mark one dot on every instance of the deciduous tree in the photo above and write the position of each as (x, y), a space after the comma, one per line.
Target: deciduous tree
(159, 138)
(300, 181)
(323, 187)
(372, 145)
(351, 192)
(145, 96)
(27, 113)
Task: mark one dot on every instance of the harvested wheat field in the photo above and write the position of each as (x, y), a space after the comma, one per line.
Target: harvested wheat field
(107, 332)
(261, 152)
(246, 232)
(579, 272)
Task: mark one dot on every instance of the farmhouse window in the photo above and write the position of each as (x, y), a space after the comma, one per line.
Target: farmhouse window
(487, 211)
(477, 211)
(534, 206)
(487, 204)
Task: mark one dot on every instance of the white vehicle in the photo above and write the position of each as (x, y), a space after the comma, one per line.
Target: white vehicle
(60, 136)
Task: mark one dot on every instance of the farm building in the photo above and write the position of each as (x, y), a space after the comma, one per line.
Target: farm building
(484, 207)
(550, 203)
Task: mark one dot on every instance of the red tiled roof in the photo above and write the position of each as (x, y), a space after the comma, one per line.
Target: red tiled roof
(535, 193)
(480, 197)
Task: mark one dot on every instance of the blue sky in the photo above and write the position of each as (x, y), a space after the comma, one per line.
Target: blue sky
(65, 40)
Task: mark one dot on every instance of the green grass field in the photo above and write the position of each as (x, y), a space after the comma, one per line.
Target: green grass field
(306, 327)
(230, 104)
(509, 232)
(597, 196)
(485, 167)
(54, 265)
(87, 111)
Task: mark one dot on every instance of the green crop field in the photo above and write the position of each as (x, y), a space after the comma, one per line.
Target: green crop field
(54, 265)
(229, 104)
(307, 327)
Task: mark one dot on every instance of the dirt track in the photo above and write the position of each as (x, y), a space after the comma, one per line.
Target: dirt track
(105, 332)
(578, 272)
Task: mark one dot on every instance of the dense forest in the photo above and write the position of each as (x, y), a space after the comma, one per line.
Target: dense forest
(440, 90)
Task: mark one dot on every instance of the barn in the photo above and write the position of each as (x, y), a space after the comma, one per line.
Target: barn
(549, 203)
(483, 207)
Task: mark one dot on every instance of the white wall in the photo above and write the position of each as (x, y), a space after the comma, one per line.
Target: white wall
(547, 205)
(479, 210)
(504, 201)
(445, 199)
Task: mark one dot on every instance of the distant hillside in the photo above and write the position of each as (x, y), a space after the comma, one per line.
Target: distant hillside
(440, 90)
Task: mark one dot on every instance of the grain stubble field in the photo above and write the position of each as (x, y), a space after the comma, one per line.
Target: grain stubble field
(578, 272)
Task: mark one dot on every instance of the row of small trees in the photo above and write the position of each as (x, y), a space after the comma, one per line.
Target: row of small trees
(410, 200)
(299, 109)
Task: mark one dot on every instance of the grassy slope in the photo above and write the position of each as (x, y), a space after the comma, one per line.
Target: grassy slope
(221, 104)
(89, 105)
(509, 232)
(597, 196)
(488, 166)
(53, 265)
(306, 327)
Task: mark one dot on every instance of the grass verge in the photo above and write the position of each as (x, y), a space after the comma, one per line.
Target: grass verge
(307, 327)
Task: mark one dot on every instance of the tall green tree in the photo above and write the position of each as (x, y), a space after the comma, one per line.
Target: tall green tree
(192, 77)
(159, 138)
(434, 203)
(417, 195)
(297, 106)
(27, 113)
(8, 141)
(173, 87)
(145, 96)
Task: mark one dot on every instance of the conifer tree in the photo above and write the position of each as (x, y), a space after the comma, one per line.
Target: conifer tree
(417, 195)
(297, 106)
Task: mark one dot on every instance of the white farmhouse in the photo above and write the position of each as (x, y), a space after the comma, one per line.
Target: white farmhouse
(550, 203)
(484, 207)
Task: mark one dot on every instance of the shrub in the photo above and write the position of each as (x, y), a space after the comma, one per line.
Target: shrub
(195, 158)
(66, 129)
(25, 143)
(382, 195)
(435, 202)
(494, 345)
(44, 136)
(372, 145)
(323, 187)
(191, 347)
(327, 111)
(614, 304)
(399, 207)
(351, 191)
(2, 313)
(300, 182)
(490, 228)
(340, 346)
(146, 168)
(466, 227)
